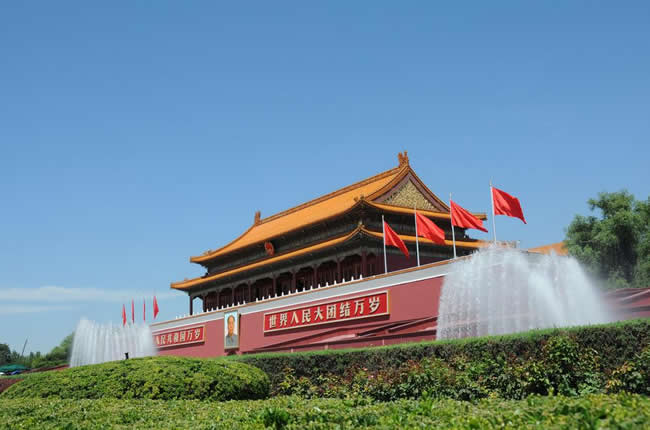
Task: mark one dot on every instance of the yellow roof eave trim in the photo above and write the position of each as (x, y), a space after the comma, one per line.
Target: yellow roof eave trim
(229, 247)
(459, 243)
(182, 285)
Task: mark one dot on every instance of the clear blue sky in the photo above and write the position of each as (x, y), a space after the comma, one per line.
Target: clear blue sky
(136, 134)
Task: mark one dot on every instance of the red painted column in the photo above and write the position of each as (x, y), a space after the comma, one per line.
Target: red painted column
(364, 270)
(338, 270)
(293, 282)
(274, 286)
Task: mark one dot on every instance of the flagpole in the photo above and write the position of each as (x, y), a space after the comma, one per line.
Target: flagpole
(451, 218)
(417, 243)
(383, 230)
(494, 224)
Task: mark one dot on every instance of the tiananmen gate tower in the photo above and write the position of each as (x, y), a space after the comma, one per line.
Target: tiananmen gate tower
(322, 262)
(334, 238)
(312, 277)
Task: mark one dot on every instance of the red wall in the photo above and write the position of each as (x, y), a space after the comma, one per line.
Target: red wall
(409, 301)
(212, 345)
(415, 303)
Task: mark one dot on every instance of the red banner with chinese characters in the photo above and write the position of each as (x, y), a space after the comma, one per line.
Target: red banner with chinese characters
(183, 336)
(371, 305)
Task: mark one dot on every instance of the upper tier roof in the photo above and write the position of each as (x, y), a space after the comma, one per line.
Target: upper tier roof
(327, 206)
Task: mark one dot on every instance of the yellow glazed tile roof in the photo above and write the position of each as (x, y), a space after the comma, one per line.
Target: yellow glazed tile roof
(559, 248)
(327, 206)
(198, 281)
(188, 283)
(308, 213)
(430, 214)
(459, 243)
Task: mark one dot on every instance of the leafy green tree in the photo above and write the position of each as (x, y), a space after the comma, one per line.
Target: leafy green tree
(616, 245)
(60, 354)
(5, 354)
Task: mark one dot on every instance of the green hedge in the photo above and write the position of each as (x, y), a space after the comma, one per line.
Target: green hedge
(622, 411)
(148, 378)
(565, 361)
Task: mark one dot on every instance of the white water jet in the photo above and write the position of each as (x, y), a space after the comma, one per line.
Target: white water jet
(97, 343)
(503, 290)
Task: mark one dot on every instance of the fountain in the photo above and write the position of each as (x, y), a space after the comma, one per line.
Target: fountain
(503, 290)
(97, 343)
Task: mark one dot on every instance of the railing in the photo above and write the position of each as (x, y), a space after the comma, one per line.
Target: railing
(320, 292)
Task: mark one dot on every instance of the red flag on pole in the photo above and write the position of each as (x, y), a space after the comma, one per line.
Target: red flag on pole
(427, 228)
(144, 310)
(155, 307)
(132, 311)
(505, 204)
(462, 218)
(123, 314)
(391, 238)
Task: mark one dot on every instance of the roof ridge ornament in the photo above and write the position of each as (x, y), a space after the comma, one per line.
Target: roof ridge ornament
(403, 158)
(258, 216)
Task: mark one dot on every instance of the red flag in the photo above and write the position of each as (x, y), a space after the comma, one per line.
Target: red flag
(391, 238)
(144, 310)
(123, 314)
(428, 229)
(155, 307)
(132, 311)
(505, 204)
(462, 218)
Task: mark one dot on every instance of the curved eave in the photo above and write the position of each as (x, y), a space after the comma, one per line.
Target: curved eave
(399, 171)
(411, 239)
(378, 206)
(184, 285)
(559, 248)
(205, 258)
(409, 211)
(211, 254)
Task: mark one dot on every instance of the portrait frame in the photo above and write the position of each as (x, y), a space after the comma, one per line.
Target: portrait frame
(228, 343)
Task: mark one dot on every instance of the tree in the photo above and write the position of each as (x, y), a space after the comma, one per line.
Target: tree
(58, 355)
(5, 354)
(616, 245)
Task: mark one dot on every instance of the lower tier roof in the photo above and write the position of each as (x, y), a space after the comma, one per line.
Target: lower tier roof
(361, 230)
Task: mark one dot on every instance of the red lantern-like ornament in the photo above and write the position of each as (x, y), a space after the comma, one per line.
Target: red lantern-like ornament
(270, 250)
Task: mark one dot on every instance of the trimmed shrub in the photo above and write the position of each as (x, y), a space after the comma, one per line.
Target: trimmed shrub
(548, 362)
(633, 376)
(613, 344)
(149, 378)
